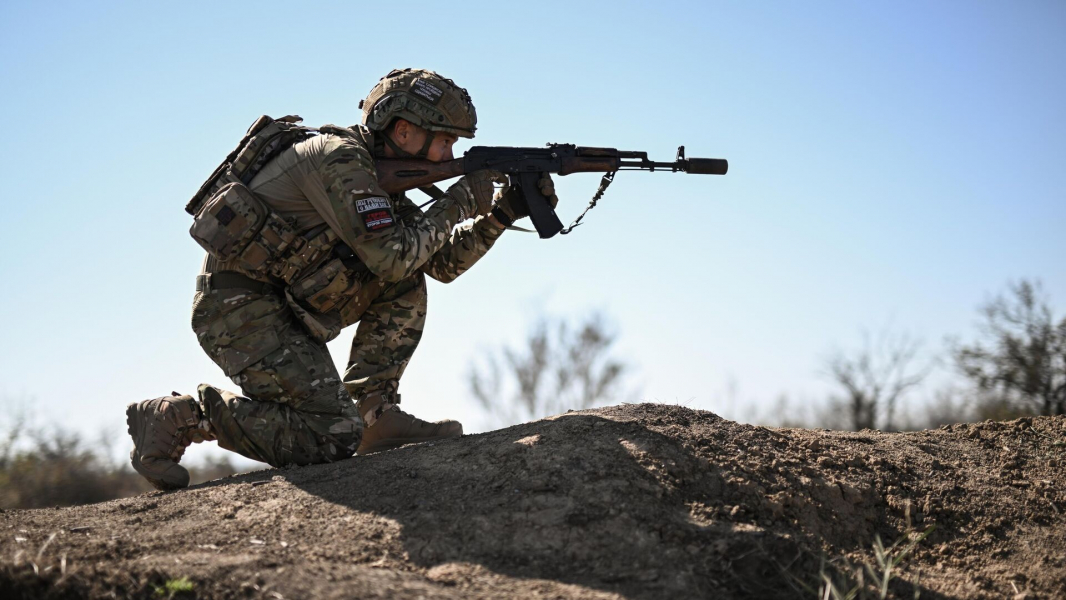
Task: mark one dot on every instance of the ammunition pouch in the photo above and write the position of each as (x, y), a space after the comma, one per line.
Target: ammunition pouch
(236, 227)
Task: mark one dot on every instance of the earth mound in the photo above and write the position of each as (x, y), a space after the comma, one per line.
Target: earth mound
(634, 501)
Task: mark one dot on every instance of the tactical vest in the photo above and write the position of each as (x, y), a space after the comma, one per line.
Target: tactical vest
(236, 227)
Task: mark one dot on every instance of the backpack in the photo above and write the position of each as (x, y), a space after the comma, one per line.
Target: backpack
(233, 224)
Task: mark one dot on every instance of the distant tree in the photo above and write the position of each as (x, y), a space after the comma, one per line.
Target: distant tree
(55, 468)
(1019, 368)
(874, 379)
(560, 367)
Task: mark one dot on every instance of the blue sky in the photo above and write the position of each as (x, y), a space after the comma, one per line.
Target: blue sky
(894, 162)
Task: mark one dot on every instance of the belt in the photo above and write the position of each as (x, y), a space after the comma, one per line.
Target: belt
(227, 280)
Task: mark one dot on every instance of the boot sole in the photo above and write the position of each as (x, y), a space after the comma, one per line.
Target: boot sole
(392, 444)
(134, 421)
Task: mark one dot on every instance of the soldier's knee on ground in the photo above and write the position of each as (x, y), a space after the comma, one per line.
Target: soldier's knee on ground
(343, 445)
(339, 436)
(280, 435)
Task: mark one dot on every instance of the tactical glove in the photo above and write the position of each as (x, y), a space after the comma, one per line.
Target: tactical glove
(508, 201)
(473, 193)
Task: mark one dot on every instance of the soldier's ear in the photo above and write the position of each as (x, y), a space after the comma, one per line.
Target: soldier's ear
(401, 130)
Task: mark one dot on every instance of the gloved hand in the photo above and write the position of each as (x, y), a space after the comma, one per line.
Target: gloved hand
(508, 202)
(473, 193)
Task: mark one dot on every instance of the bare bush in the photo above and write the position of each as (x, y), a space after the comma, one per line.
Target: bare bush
(560, 367)
(1019, 368)
(874, 379)
(57, 469)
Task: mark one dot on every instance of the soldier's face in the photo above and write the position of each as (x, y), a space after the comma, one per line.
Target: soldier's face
(441, 147)
(411, 138)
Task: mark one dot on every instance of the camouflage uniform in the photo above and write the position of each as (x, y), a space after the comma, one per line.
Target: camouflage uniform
(270, 341)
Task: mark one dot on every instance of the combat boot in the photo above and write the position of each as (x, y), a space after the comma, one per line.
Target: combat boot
(161, 429)
(386, 426)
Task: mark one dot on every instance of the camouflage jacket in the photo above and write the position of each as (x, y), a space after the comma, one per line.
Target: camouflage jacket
(330, 179)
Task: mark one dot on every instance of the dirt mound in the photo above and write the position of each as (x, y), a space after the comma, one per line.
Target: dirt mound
(639, 501)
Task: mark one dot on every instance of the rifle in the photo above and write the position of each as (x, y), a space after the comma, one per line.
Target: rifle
(524, 166)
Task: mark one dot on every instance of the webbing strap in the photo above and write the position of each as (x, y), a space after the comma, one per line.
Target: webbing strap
(226, 280)
(506, 221)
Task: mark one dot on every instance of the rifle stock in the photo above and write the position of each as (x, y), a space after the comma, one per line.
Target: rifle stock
(397, 175)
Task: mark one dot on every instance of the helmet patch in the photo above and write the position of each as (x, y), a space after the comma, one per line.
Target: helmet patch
(427, 91)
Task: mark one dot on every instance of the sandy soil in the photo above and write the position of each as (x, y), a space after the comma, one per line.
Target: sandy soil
(636, 501)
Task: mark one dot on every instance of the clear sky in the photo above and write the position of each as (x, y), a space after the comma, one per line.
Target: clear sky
(894, 161)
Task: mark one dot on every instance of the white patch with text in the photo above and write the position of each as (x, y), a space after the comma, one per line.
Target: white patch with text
(369, 204)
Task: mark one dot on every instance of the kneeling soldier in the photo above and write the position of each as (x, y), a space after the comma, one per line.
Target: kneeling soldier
(302, 242)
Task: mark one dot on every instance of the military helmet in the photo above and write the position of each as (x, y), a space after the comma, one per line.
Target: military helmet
(422, 97)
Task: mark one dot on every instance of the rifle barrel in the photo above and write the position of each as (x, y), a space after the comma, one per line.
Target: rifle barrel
(699, 166)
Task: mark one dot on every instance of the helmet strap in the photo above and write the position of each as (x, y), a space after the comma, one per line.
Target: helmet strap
(424, 152)
(400, 152)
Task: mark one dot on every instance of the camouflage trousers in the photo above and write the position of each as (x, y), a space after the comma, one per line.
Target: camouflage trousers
(296, 409)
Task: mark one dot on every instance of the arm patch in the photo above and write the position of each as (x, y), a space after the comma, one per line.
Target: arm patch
(376, 220)
(366, 205)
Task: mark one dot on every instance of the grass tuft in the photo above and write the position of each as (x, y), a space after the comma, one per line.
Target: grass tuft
(175, 587)
(871, 579)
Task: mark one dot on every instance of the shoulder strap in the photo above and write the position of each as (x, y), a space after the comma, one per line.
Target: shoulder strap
(265, 139)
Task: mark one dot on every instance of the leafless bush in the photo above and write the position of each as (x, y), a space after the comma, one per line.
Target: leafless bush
(55, 468)
(1019, 368)
(874, 379)
(560, 367)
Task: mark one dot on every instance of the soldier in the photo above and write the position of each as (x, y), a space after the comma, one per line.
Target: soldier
(267, 327)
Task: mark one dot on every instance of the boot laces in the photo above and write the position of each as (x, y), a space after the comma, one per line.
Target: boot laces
(185, 430)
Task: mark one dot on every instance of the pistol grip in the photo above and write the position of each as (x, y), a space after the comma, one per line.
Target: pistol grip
(540, 210)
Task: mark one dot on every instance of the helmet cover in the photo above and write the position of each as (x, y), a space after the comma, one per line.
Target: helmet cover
(423, 98)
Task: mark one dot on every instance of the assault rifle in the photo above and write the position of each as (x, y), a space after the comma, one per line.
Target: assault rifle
(524, 166)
